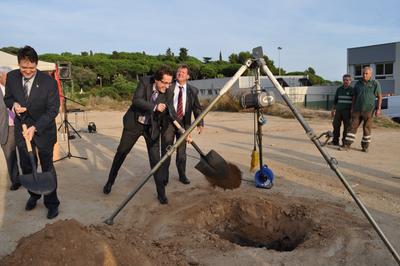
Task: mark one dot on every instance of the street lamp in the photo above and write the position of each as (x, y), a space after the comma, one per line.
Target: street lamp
(279, 59)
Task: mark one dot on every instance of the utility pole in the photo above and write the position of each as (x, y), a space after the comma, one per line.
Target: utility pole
(279, 59)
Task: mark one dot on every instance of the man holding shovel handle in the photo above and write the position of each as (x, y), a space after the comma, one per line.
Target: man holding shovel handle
(33, 96)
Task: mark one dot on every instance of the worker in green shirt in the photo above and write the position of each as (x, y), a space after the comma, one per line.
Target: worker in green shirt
(364, 94)
(341, 110)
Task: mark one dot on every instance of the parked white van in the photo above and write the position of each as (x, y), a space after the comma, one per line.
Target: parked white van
(391, 107)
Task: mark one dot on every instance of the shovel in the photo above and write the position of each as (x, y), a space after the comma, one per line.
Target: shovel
(39, 183)
(217, 171)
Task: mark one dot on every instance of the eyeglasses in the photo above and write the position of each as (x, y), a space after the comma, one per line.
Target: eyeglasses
(165, 82)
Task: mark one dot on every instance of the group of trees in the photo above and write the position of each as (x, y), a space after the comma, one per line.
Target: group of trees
(119, 71)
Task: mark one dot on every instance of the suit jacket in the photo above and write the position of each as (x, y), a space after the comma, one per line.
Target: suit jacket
(42, 106)
(192, 105)
(142, 106)
(3, 120)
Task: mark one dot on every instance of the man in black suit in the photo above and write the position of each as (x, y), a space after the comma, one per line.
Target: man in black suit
(144, 118)
(33, 95)
(185, 102)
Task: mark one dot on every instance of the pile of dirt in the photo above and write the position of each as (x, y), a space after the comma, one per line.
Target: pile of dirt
(70, 243)
(208, 227)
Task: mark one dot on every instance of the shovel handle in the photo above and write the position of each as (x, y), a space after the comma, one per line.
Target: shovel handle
(27, 142)
(181, 130)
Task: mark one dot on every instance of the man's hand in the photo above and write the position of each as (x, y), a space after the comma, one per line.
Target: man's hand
(18, 109)
(29, 133)
(378, 112)
(161, 107)
(200, 129)
(189, 139)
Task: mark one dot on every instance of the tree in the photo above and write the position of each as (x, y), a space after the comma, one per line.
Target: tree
(194, 69)
(243, 56)
(220, 56)
(10, 50)
(206, 60)
(84, 77)
(169, 53)
(310, 70)
(233, 59)
(84, 53)
(208, 71)
(124, 87)
(183, 54)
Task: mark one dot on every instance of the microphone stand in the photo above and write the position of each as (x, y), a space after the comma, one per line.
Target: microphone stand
(67, 125)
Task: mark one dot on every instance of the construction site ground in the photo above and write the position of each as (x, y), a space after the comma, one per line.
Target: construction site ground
(307, 218)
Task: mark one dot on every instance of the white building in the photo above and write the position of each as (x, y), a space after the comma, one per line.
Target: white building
(297, 88)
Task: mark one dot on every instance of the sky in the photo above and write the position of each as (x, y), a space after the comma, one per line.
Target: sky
(311, 33)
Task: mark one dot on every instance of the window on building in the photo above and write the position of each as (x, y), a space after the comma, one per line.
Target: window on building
(202, 91)
(209, 91)
(379, 69)
(384, 70)
(389, 69)
(357, 70)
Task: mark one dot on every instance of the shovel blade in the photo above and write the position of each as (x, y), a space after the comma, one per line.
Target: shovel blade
(213, 165)
(43, 183)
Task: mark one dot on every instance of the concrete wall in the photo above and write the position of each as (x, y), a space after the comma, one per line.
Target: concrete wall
(320, 97)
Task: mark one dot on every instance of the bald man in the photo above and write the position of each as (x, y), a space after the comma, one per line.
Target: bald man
(364, 95)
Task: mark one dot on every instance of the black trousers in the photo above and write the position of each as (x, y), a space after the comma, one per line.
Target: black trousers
(46, 163)
(128, 140)
(343, 116)
(167, 139)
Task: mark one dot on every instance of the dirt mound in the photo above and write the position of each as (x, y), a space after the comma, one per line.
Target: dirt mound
(208, 227)
(70, 243)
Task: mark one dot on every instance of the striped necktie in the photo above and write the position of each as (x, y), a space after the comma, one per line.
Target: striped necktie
(179, 111)
(26, 88)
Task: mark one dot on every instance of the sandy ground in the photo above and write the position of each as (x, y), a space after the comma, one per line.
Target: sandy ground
(307, 211)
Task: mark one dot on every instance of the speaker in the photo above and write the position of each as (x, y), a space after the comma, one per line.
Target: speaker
(64, 70)
(92, 127)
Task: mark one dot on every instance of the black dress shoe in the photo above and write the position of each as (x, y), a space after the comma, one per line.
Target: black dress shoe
(184, 180)
(52, 213)
(15, 186)
(107, 188)
(162, 199)
(30, 204)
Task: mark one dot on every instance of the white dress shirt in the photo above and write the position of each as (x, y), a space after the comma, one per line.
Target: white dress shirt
(176, 94)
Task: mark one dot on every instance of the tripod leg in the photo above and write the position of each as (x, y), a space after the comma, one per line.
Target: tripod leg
(70, 126)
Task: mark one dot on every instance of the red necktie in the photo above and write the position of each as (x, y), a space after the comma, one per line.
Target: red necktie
(179, 111)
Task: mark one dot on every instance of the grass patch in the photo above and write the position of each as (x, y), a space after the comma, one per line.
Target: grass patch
(385, 122)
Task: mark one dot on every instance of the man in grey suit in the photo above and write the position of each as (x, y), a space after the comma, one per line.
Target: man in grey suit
(7, 139)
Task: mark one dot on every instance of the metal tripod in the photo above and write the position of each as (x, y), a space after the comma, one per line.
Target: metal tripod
(67, 125)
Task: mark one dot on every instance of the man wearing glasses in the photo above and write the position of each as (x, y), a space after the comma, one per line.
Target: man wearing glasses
(144, 118)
